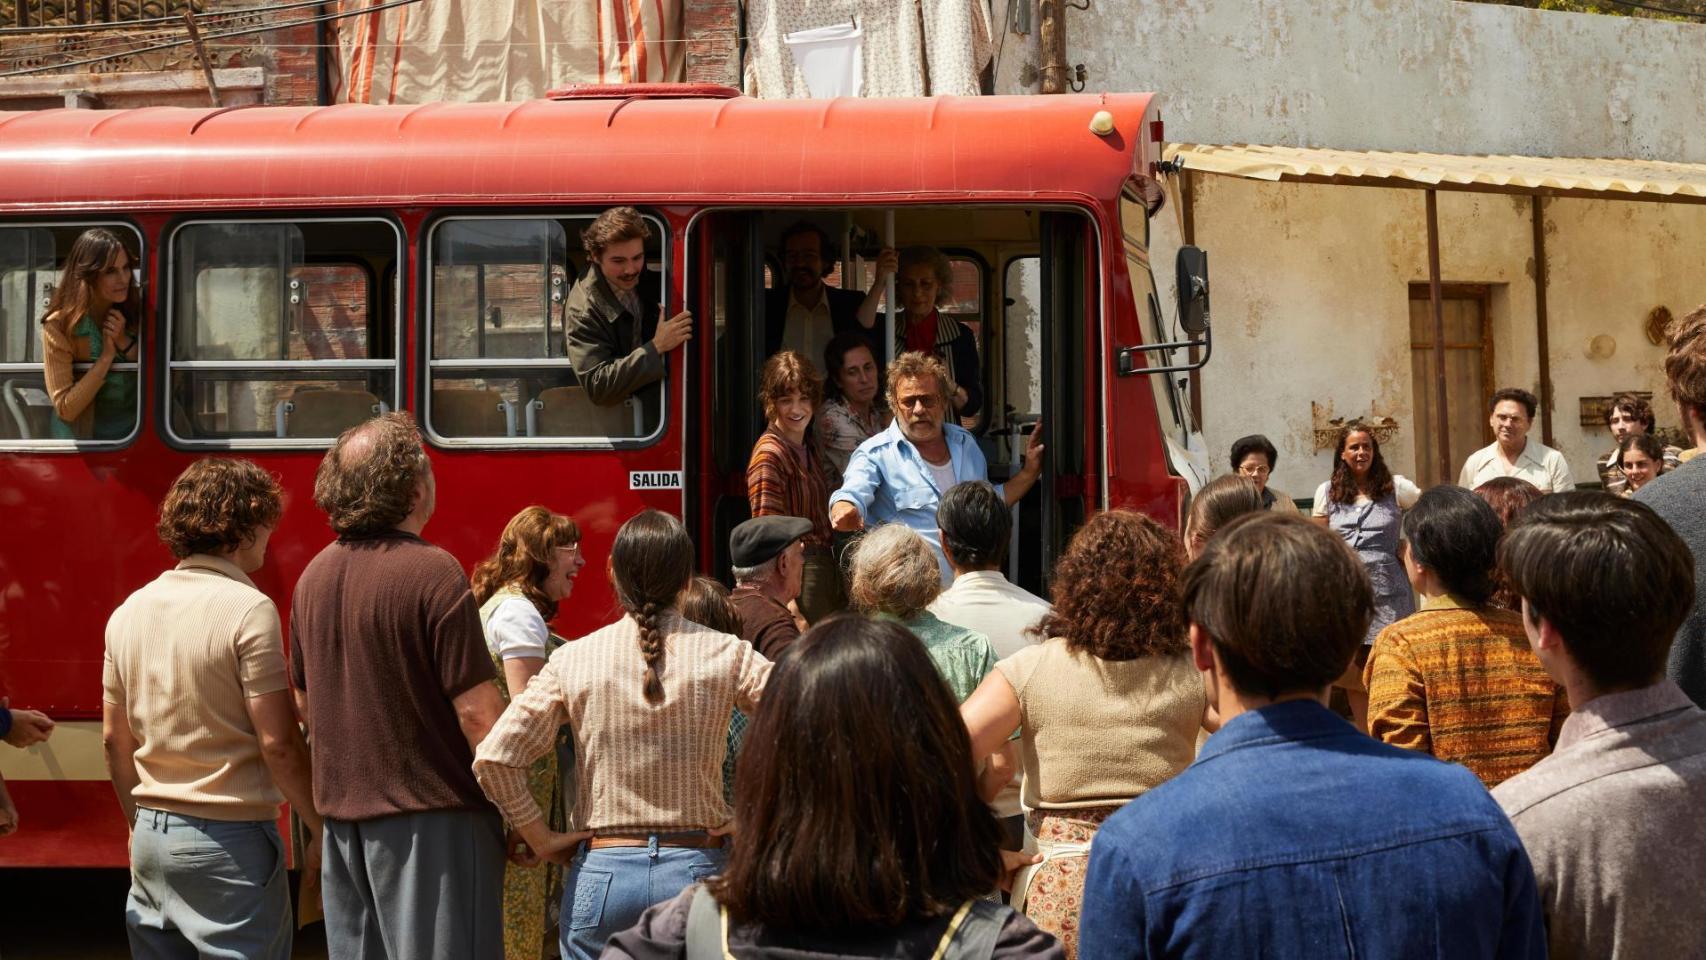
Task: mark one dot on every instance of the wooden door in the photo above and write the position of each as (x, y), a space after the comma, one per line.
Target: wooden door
(1468, 376)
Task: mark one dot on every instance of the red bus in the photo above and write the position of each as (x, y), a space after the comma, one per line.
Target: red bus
(305, 268)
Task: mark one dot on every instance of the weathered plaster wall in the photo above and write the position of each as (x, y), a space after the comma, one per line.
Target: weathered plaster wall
(1311, 282)
(1311, 288)
(1393, 74)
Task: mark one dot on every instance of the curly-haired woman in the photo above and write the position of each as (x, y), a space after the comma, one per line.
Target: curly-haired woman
(518, 589)
(647, 703)
(1363, 503)
(1107, 707)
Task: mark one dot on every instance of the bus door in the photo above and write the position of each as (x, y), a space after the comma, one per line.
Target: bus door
(1046, 301)
(725, 290)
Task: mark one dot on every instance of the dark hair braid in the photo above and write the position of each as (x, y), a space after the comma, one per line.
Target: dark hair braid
(651, 562)
(651, 647)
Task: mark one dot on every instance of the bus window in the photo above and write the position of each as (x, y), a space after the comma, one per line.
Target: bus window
(31, 258)
(281, 333)
(499, 372)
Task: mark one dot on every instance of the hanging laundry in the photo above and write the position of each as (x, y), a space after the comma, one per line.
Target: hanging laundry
(908, 48)
(485, 50)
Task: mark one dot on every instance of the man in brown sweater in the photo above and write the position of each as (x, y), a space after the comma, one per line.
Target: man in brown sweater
(390, 665)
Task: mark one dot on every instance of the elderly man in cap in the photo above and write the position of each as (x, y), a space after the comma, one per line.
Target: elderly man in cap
(768, 558)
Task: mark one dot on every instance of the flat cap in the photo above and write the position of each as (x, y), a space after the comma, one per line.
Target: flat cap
(763, 538)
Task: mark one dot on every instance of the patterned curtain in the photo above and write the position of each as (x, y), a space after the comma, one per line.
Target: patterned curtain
(495, 50)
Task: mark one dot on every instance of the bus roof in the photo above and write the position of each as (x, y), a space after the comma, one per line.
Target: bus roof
(585, 149)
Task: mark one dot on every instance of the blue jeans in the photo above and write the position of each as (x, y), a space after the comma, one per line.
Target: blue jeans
(606, 890)
(206, 888)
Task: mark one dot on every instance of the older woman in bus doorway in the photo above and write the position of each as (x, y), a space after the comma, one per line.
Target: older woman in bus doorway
(923, 283)
(518, 589)
(86, 321)
(785, 476)
(647, 703)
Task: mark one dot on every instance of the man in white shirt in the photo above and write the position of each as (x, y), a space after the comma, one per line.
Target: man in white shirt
(1512, 454)
(975, 523)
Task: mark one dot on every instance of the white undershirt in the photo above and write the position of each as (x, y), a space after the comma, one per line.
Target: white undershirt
(943, 475)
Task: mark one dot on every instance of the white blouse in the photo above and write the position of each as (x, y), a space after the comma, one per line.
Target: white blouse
(1405, 489)
(517, 630)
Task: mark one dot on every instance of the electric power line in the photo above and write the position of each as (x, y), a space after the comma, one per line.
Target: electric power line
(211, 36)
(201, 17)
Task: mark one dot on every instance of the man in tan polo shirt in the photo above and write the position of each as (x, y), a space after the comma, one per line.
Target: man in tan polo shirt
(200, 730)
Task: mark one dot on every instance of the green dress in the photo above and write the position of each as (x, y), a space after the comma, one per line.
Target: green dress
(532, 894)
(115, 402)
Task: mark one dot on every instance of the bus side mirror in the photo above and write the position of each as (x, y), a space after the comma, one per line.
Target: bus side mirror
(1192, 279)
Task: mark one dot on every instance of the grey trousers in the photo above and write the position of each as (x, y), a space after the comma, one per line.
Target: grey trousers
(206, 888)
(415, 886)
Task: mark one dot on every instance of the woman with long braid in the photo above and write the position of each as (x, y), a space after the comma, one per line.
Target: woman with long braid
(647, 701)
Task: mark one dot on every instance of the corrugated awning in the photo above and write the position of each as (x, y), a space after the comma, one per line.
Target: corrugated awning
(1546, 176)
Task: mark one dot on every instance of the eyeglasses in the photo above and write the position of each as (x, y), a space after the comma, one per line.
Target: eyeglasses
(928, 401)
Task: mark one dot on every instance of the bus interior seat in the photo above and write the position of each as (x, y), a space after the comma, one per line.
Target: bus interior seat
(325, 413)
(29, 412)
(568, 412)
(470, 412)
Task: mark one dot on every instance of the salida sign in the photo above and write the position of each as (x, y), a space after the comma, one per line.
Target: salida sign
(654, 480)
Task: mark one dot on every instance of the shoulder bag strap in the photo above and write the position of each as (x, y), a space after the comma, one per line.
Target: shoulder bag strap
(975, 930)
(705, 927)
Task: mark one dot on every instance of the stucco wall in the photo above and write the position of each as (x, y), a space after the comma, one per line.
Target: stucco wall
(1311, 305)
(1393, 74)
(1311, 283)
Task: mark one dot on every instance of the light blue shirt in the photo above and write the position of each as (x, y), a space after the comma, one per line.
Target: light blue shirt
(889, 480)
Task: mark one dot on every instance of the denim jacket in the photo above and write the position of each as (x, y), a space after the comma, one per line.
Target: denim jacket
(888, 480)
(1295, 836)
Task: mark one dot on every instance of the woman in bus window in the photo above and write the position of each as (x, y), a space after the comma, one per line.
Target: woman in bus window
(647, 703)
(518, 589)
(881, 849)
(923, 282)
(786, 477)
(1364, 503)
(852, 414)
(86, 322)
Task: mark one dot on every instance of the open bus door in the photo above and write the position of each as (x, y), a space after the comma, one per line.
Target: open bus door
(726, 291)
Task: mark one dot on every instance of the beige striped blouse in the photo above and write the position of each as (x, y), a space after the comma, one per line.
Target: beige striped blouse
(642, 767)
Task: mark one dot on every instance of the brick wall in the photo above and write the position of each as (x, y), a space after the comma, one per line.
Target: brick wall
(712, 31)
(285, 59)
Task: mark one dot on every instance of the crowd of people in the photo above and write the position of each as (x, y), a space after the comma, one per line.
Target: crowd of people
(1461, 722)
